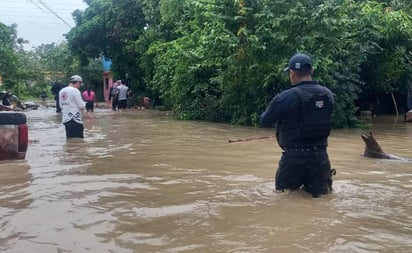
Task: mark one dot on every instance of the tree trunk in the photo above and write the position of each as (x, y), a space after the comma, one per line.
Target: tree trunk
(394, 103)
(372, 148)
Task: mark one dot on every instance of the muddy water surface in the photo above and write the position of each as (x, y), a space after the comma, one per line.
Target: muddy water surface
(143, 182)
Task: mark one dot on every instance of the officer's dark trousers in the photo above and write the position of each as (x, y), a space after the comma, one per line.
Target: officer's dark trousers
(304, 167)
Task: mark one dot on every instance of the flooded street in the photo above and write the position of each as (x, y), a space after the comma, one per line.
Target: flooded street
(143, 182)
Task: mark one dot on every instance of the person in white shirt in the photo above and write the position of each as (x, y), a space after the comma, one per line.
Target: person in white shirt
(72, 104)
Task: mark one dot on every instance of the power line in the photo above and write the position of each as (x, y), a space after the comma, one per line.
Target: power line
(7, 8)
(52, 11)
(36, 22)
(38, 6)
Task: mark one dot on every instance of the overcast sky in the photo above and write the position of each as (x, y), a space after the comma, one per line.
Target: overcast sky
(40, 21)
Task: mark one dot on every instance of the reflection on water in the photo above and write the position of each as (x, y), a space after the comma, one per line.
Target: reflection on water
(142, 182)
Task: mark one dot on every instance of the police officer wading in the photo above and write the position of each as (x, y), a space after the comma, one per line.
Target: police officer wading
(302, 115)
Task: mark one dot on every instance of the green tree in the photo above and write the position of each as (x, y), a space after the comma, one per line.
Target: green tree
(390, 32)
(9, 60)
(110, 28)
(222, 60)
(17, 67)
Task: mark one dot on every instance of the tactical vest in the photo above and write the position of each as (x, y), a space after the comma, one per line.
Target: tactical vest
(309, 123)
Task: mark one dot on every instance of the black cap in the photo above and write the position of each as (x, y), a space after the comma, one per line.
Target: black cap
(299, 61)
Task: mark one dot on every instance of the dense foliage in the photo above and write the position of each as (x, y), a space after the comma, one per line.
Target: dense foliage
(16, 65)
(29, 73)
(222, 60)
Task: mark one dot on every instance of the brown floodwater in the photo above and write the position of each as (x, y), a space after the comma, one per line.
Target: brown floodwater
(143, 182)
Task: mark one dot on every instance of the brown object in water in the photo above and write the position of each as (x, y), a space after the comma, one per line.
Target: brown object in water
(372, 148)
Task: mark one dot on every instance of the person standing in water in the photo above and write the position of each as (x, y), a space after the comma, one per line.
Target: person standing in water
(72, 104)
(90, 97)
(122, 100)
(303, 118)
(114, 95)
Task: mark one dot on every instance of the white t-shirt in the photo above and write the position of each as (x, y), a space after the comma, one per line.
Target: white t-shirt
(71, 103)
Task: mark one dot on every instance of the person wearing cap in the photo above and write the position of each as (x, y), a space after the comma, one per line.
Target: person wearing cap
(303, 118)
(72, 104)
